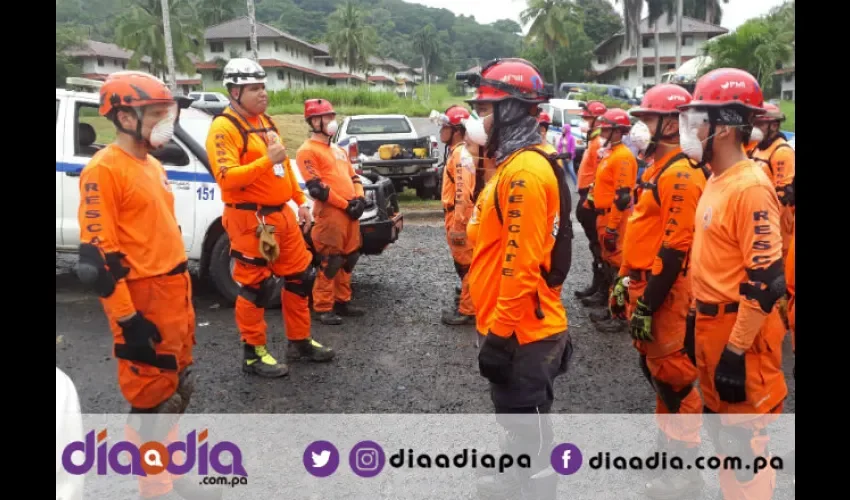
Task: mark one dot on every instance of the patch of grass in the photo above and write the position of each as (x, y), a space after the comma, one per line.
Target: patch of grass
(408, 200)
(788, 108)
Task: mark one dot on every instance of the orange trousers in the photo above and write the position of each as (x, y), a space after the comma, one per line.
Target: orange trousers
(462, 256)
(155, 485)
(241, 227)
(166, 301)
(614, 258)
(335, 236)
(669, 364)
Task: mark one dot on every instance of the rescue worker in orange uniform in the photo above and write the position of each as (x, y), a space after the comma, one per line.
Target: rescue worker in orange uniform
(595, 294)
(611, 195)
(132, 256)
(544, 121)
(458, 203)
(339, 203)
(256, 179)
(517, 270)
(777, 157)
(790, 460)
(738, 276)
(655, 265)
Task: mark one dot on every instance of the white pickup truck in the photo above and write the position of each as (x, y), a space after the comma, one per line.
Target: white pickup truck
(81, 132)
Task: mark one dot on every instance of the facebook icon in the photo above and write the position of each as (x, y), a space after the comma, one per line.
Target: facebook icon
(566, 459)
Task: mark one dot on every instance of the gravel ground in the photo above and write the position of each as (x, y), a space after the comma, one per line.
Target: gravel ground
(399, 358)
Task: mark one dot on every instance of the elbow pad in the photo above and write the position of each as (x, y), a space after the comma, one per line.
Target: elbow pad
(659, 285)
(317, 190)
(786, 195)
(765, 286)
(100, 271)
(623, 198)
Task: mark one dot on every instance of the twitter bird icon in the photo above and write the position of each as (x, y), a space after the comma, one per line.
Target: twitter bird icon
(321, 458)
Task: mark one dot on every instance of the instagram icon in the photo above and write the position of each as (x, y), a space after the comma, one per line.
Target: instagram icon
(367, 459)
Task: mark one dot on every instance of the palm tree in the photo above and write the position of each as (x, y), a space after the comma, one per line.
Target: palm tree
(350, 39)
(425, 44)
(141, 29)
(252, 20)
(680, 7)
(631, 17)
(657, 8)
(549, 26)
(169, 46)
(212, 12)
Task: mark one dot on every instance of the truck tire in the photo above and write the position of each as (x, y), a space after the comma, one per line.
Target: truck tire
(221, 274)
(427, 193)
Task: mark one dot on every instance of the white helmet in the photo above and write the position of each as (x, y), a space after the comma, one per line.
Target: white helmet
(242, 71)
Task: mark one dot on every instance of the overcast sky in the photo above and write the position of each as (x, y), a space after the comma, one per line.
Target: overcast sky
(735, 13)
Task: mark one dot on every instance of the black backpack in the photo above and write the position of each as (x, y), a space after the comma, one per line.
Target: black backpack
(562, 252)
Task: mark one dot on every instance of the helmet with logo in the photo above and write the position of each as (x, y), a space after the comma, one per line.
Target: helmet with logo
(544, 119)
(317, 107)
(593, 109)
(772, 114)
(663, 99)
(243, 71)
(456, 114)
(502, 79)
(616, 119)
(731, 96)
(132, 89)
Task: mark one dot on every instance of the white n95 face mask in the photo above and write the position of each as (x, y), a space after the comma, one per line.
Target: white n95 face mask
(163, 131)
(757, 135)
(475, 130)
(689, 124)
(640, 136)
(331, 127)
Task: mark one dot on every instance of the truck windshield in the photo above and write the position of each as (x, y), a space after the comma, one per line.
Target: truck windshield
(363, 126)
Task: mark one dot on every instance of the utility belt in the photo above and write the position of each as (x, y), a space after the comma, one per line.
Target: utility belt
(257, 208)
(707, 309)
(176, 271)
(639, 274)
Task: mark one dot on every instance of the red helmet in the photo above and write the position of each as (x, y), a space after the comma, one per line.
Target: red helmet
(593, 109)
(727, 87)
(615, 118)
(456, 114)
(502, 79)
(772, 114)
(663, 99)
(544, 119)
(132, 89)
(317, 107)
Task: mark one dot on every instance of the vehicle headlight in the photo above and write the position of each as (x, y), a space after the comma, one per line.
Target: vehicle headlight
(371, 197)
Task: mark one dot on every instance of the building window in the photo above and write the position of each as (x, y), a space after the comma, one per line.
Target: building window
(687, 40)
(100, 61)
(281, 75)
(788, 95)
(600, 59)
(648, 71)
(328, 63)
(217, 47)
(123, 64)
(648, 42)
(275, 46)
(788, 77)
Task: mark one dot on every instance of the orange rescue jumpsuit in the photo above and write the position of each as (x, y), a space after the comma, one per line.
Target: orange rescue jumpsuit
(510, 294)
(124, 201)
(737, 230)
(335, 235)
(617, 173)
(458, 190)
(662, 225)
(253, 189)
(779, 163)
(791, 283)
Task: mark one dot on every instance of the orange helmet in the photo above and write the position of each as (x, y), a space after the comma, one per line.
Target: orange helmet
(663, 99)
(132, 89)
(456, 114)
(615, 118)
(502, 79)
(593, 109)
(728, 88)
(544, 119)
(772, 114)
(317, 107)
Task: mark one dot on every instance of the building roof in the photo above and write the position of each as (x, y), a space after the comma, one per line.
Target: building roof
(241, 28)
(277, 63)
(91, 48)
(380, 78)
(689, 26)
(344, 76)
(785, 71)
(191, 81)
(631, 62)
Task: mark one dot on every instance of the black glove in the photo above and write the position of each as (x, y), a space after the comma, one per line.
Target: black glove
(355, 208)
(495, 359)
(141, 335)
(730, 377)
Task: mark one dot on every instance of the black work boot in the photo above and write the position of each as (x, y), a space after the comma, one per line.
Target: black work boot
(673, 484)
(258, 361)
(330, 318)
(190, 488)
(348, 310)
(310, 349)
(600, 315)
(454, 317)
(594, 285)
(612, 325)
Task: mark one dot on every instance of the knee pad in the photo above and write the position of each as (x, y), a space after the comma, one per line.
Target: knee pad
(350, 261)
(461, 270)
(100, 271)
(262, 293)
(671, 398)
(331, 265)
(300, 284)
